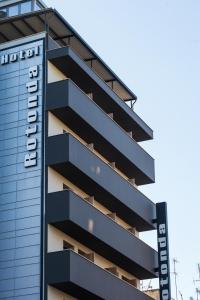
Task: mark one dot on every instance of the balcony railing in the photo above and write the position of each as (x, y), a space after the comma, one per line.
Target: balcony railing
(79, 219)
(114, 270)
(109, 139)
(73, 273)
(112, 215)
(72, 66)
(112, 165)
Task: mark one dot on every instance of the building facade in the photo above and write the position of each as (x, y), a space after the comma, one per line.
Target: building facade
(70, 166)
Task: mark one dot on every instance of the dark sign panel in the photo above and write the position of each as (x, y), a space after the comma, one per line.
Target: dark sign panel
(163, 251)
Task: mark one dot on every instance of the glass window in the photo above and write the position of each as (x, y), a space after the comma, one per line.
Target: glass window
(67, 246)
(25, 7)
(3, 13)
(13, 10)
(37, 7)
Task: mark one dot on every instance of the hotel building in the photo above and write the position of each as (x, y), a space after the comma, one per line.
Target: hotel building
(71, 167)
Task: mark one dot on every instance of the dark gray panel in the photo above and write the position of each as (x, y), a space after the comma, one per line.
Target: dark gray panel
(28, 194)
(68, 61)
(19, 262)
(7, 255)
(95, 177)
(27, 297)
(90, 122)
(6, 285)
(27, 222)
(67, 271)
(29, 282)
(27, 252)
(7, 226)
(72, 214)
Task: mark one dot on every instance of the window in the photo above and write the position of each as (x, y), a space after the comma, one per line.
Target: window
(37, 6)
(13, 10)
(65, 187)
(112, 270)
(81, 252)
(3, 13)
(131, 281)
(26, 7)
(89, 256)
(67, 246)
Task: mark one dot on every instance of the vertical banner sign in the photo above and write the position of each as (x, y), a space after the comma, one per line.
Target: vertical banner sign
(163, 251)
(21, 168)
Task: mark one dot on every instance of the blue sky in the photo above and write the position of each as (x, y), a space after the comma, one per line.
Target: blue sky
(154, 46)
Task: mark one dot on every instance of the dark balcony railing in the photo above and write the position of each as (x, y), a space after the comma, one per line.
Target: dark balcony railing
(78, 276)
(71, 214)
(66, 60)
(89, 121)
(83, 168)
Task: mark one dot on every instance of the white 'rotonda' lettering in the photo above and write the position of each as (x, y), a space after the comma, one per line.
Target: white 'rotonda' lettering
(162, 242)
(165, 295)
(32, 116)
(33, 72)
(162, 229)
(30, 159)
(32, 86)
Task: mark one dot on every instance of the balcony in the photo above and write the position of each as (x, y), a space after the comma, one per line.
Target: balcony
(67, 61)
(71, 214)
(87, 171)
(78, 276)
(74, 108)
(62, 34)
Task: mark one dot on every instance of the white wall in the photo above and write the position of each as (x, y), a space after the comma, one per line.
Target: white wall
(54, 74)
(54, 294)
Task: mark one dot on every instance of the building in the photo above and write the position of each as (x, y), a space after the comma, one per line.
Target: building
(70, 167)
(153, 293)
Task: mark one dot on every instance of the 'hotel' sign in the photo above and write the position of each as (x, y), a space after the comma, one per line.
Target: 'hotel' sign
(21, 55)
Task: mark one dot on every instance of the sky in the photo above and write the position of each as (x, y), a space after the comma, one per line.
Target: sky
(154, 47)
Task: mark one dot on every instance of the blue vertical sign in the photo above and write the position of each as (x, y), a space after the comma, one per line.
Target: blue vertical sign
(163, 251)
(21, 169)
